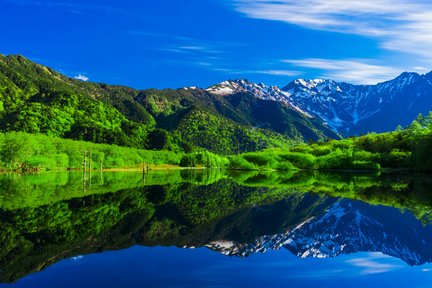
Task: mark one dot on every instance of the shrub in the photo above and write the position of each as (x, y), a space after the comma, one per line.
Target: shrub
(239, 163)
(262, 160)
(299, 160)
(335, 160)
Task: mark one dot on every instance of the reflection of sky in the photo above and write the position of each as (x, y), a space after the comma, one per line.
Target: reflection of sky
(173, 267)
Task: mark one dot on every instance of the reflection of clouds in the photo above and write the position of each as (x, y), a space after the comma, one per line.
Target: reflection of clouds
(374, 263)
(279, 265)
(76, 258)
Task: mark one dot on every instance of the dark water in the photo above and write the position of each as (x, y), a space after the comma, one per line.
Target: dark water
(211, 229)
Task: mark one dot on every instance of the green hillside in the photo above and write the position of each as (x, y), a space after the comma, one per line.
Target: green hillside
(37, 99)
(404, 149)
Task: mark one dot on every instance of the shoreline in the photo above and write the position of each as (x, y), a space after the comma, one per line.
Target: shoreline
(161, 167)
(168, 167)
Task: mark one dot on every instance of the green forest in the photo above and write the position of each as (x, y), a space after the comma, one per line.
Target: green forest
(404, 149)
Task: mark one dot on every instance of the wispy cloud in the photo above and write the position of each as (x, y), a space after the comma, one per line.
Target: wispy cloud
(276, 72)
(402, 25)
(193, 49)
(233, 71)
(184, 44)
(81, 77)
(358, 71)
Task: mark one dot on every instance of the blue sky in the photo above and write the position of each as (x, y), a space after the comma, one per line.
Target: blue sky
(176, 43)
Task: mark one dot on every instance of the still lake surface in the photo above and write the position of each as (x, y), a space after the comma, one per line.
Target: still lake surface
(215, 229)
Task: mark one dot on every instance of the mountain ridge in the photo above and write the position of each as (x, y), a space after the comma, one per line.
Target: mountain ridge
(347, 108)
(263, 116)
(37, 99)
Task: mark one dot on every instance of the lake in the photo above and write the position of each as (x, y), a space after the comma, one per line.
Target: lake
(209, 228)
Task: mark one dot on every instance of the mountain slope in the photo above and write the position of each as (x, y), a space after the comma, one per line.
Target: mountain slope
(37, 99)
(269, 107)
(358, 109)
(345, 108)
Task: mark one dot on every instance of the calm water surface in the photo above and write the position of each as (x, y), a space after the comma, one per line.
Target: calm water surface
(211, 229)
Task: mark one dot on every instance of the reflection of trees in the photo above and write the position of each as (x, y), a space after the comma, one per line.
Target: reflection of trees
(46, 218)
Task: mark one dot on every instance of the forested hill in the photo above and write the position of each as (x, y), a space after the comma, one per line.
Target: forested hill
(37, 99)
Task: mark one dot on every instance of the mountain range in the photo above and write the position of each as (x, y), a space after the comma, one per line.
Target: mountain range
(37, 99)
(346, 108)
(230, 117)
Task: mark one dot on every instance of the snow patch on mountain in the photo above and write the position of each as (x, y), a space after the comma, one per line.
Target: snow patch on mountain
(260, 91)
(346, 108)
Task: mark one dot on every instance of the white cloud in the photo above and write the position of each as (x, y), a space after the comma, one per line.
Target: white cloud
(402, 25)
(353, 70)
(420, 69)
(276, 72)
(81, 77)
(243, 72)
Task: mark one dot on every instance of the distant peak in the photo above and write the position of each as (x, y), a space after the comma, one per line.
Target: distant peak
(312, 86)
(406, 75)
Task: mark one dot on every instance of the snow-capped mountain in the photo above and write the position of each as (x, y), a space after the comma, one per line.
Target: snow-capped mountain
(346, 108)
(347, 227)
(260, 91)
(335, 103)
(355, 109)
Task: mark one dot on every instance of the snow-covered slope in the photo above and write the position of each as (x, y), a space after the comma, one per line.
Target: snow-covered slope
(347, 227)
(324, 99)
(346, 108)
(261, 91)
(355, 109)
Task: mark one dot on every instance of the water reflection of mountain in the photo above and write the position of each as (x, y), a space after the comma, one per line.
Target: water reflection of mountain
(310, 214)
(346, 227)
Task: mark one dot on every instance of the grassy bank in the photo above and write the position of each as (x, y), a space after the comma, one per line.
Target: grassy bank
(32, 152)
(23, 152)
(407, 149)
(400, 150)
